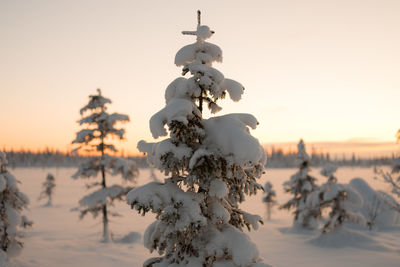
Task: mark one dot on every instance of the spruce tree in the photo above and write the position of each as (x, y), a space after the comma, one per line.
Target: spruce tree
(338, 197)
(12, 203)
(99, 127)
(48, 189)
(269, 198)
(301, 185)
(210, 164)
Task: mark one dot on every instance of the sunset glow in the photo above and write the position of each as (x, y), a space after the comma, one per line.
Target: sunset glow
(324, 71)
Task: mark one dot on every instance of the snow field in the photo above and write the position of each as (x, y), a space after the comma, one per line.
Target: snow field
(59, 238)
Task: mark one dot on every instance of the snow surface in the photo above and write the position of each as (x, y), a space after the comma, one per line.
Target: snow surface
(59, 239)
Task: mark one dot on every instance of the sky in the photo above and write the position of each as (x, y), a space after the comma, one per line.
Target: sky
(324, 71)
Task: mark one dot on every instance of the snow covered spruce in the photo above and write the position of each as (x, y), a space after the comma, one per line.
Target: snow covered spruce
(12, 202)
(211, 164)
(99, 127)
(48, 189)
(301, 185)
(342, 199)
(270, 198)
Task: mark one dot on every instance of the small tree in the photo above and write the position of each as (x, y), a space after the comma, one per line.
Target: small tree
(301, 185)
(338, 197)
(12, 202)
(211, 164)
(99, 126)
(374, 209)
(393, 179)
(269, 198)
(48, 189)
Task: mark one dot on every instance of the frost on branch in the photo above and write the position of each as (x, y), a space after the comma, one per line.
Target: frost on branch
(100, 126)
(12, 203)
(211, 166)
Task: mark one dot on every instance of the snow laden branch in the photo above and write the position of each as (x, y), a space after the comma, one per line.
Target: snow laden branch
(210, 165)
(94, 202)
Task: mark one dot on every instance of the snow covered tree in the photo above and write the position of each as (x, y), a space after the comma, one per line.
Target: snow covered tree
(99, 127)
(211, 165)
(301, 185)
(269, 198)
(339, 198)
(12, 202)
(48, 189)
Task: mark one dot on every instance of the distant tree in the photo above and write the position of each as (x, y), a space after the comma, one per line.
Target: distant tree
(301, 185)
(48, 187)
(211, 165)
(12, 203)
(269, 198)
(99, 126)
(338, 197)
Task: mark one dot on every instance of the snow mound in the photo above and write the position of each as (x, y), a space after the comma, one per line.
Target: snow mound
(131, 238)
(341, 237)
(375, 200)
(4, 260)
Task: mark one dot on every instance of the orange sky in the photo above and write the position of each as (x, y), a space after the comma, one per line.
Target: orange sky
(317, 70)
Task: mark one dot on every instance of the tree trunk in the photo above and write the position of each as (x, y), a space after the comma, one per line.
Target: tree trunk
(106, 235)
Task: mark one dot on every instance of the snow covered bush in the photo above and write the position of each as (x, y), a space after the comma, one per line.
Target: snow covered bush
(305, 192)
(375, 207)
(269, 198)
(393, 179)
(343, 201)
(99, 127)
(211, 164)
(48, 189)
(12, 202)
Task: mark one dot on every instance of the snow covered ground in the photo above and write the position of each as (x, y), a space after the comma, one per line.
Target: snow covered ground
(59, 238)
